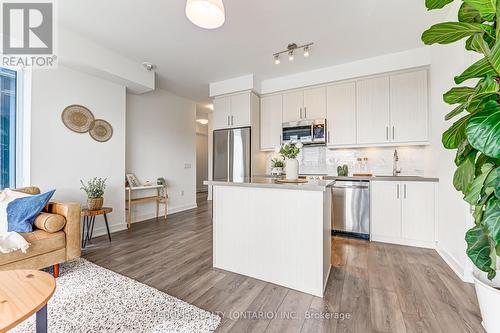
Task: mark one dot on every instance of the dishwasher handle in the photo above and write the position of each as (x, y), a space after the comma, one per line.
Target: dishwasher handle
(351, 186)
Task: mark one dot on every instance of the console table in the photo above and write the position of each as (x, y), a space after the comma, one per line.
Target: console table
(159, 198)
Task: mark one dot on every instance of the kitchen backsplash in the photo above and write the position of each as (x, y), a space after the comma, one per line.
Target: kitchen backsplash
(321, 160)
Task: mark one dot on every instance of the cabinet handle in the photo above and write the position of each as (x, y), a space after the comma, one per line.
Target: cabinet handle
(398, 192)
(393, 132)
(328, 135)
(280, 140)
(305, 112)
(300, 117)
(232, 121)
(404, 191)
(387, 133)
(228, 121)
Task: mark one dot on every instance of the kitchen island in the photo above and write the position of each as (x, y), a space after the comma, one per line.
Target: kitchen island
(279, 233)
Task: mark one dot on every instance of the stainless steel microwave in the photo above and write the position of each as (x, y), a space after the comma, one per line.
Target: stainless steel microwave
(309, 132)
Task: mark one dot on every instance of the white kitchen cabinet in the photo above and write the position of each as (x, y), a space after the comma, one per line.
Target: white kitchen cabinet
(232, 111)
(308, 104)
(240, 110)
(293, 103)
(271, 108)
(373, 110)
(417, 209)
(385, 209)
(409, 109)
(314, 103)
(341, 114)
(403, 213)
(221, 115)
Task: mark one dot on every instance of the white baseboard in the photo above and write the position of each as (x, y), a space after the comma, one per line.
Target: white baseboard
(101, 230)
(401, 241)
(453, 264)
(171, 210)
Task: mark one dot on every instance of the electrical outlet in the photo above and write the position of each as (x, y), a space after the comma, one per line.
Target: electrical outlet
(182, 193)
(187, 165)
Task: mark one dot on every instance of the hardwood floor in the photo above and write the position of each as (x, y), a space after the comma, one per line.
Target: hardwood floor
(373, 287)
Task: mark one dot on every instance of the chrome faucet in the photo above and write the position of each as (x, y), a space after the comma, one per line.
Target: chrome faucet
(395, 168)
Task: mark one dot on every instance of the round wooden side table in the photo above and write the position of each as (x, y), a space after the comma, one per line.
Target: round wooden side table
(89, 220)
(23, 293)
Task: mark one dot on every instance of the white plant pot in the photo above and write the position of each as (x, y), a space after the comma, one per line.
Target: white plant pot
(277, 171)
(292, 168)
(489, 300)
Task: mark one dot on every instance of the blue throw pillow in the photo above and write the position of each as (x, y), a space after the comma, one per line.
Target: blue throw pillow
(22, 212)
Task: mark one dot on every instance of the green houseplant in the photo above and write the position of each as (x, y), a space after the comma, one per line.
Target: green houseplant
(94, 188)
(475, 133)
(277, 165)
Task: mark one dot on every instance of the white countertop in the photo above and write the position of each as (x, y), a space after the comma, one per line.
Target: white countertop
(311, 185)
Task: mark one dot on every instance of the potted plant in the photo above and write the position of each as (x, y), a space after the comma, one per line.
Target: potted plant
(476, 137)
(95, 191)
(290, 151)
(277, 165)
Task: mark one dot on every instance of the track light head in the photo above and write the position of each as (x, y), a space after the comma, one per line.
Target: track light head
(277, 59)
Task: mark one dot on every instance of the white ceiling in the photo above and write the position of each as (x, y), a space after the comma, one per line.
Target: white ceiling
(188, 58)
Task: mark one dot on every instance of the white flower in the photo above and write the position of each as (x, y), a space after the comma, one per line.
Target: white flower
(277, 150)
(299, 145)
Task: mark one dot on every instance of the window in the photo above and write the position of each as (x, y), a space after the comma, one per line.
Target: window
(8, 89)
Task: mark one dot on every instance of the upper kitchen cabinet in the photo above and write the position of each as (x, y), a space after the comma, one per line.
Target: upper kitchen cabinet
(409, 110)
(373, 113)
(308, 104)
(293, 104)
(341, 114)
(271, 108)
(233, 111)
(315, 103)
(241, 105)
(221, 116)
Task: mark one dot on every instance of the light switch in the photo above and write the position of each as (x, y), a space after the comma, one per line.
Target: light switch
(187, 165)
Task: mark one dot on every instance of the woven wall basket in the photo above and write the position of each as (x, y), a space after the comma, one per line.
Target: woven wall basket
(77, 118)
(101, 130)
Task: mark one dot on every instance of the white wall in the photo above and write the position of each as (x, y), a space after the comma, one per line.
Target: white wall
(161, 140)
(60, 157)
(453, 216)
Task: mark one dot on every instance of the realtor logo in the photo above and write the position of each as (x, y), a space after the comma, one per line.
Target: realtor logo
(28, 33)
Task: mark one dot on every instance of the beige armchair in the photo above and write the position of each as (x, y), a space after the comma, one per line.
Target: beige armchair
(48, 245)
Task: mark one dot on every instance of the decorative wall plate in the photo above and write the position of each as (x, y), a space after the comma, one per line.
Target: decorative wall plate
(77, 118)
(101, 130)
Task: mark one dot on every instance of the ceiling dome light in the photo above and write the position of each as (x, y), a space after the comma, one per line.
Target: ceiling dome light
(306, 51)
(207, 14)
(290, 56)
(277, 59)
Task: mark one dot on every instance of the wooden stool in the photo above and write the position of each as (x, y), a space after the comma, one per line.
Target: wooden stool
(22, 293)
(89, 220)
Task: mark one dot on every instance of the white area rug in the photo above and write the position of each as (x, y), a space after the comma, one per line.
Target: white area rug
(90, 298)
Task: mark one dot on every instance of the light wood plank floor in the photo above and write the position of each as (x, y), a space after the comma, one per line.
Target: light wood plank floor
(373, 287)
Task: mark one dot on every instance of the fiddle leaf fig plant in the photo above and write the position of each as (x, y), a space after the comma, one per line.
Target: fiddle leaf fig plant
(475, 134)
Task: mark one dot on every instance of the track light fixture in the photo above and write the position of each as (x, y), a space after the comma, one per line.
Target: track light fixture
(290, 49)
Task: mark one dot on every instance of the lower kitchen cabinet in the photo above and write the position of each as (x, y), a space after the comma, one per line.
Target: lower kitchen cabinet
(403, 213)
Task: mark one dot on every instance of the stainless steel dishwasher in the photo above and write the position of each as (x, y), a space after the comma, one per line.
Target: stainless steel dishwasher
(351, 208)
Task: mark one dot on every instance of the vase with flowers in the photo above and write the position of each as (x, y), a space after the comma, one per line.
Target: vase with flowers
(290, 151)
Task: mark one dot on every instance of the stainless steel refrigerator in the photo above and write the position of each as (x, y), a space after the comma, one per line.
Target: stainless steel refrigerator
(232, 154)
